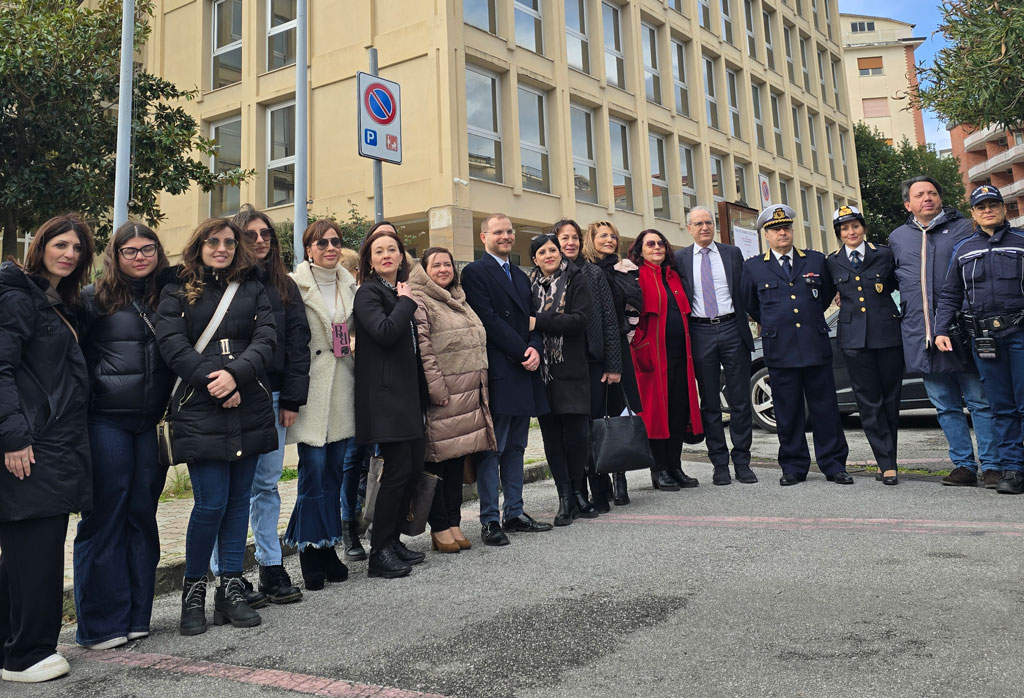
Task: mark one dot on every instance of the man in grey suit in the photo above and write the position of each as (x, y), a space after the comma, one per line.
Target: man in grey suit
(711, 273)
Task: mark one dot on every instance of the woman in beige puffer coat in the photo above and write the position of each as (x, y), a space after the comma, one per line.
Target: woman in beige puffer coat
(453, 346)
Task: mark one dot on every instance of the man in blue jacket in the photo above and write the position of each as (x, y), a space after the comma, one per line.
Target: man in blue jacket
(986, 280)
(922, 248)
(499, 293)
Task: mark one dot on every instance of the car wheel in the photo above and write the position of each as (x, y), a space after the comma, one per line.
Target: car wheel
(761, 400)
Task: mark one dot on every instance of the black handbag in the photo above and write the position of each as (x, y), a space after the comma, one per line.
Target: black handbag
(620, 443)
(415, 521)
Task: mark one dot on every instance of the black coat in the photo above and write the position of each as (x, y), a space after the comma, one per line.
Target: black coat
(732, 260)
(391, 392)
(203, 430)
(288, 371)
(504, 309)
(569, 387)
(126, 372)
(868, 316)
(44, 400)
(603, 345)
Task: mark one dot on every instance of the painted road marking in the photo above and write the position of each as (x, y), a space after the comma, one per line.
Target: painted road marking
(271, 678)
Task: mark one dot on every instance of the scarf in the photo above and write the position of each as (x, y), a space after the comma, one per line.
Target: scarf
(549, 296)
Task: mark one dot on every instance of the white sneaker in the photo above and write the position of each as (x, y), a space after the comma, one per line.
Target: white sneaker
(49, 668)
(108, 644)
(138, 635)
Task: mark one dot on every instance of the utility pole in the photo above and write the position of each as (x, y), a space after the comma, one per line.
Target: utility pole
(301, 211)
(123, 166)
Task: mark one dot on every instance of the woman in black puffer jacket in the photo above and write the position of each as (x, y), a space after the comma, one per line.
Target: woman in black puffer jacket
(117, 546)
(222, 413)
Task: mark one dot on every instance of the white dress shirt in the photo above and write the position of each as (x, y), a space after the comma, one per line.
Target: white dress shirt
(861, 248)
(791, 254)
(722, 294)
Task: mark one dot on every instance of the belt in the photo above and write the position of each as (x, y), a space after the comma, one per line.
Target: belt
(225, 347)
(976, 325)
(712, 320)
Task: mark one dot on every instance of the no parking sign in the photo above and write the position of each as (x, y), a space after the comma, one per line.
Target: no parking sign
(380, 120)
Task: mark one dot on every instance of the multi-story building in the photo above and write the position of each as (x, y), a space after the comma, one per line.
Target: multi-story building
(631, 112)
(880, 69)
(993, 156)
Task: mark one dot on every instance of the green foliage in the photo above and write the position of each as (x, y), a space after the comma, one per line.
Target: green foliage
(978, 78)
(883, 167)
(353, 230)
(59, 76)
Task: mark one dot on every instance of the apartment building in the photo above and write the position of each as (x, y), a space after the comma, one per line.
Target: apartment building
(631, 112)
(993, 156)
(880, 69)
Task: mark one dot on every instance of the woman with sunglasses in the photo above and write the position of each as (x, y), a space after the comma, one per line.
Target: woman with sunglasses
(222, 411)
(117, 547)
(663, 362)
(44, 389)
(326, 422)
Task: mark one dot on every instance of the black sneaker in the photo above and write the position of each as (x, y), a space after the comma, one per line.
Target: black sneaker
(1012, 482)
(385, 563)
(277, 585)
(409, 557)
(961, 477)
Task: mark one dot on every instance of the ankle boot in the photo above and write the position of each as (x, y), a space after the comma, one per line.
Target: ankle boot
(277, 585)
(564, 516)
(662, 481)
(583, 507)
(254, 597)
(620, 490)
(313, 574)
(410, 557)
(193, 607)
(384, 562)
(599, 486)
(229, 604)
(334, 568)
(354, 550)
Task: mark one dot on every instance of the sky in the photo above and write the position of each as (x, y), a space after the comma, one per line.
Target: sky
(926, 15)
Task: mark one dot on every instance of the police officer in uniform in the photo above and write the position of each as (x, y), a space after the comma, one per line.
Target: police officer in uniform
(787, 291)
(986, 281)
(869, 334)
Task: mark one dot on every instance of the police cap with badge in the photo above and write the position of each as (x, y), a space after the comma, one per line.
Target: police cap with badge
(986, 192)
(845, 214)
(776, 216)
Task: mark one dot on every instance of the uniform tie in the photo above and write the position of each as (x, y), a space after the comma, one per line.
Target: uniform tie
(787, 267)
(707, 284)
(855, 260)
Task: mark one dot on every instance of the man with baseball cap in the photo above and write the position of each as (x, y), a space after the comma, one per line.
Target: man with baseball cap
(787, 290)
(986, 280)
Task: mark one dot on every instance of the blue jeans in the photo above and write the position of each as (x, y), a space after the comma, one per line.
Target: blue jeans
(220, 515)
(265, 502)
(945, 391)
(1004, 384)
(118, 545)
(355, 454)
(316, 518)
(506, 465)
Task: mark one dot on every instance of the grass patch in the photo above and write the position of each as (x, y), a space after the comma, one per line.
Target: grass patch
(178, 486)
(288, 474)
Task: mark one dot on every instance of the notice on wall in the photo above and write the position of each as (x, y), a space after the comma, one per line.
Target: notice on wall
(747, 240)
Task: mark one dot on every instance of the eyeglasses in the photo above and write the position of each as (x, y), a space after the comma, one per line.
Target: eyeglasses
(322, 243)
(703, 224)
(215, 243)
(130, 253)
(653, 244)
(262, 234)
(988, 206)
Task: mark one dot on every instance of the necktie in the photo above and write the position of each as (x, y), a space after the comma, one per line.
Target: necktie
(707, 284)
(508, 271)
(855, 260)
(787, 267)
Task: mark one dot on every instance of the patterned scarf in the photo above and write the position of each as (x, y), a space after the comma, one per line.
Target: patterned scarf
(549, 295)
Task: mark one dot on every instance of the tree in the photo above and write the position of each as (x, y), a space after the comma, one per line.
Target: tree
(883, 167)
(59, 74)
(977, 79)
(353, 230)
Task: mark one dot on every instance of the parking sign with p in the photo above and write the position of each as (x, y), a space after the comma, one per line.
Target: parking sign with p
(380, 122)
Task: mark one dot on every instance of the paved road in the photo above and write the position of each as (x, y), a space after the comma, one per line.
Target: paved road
(815, 590)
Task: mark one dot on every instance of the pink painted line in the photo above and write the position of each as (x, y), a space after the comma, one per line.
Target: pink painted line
(271, 678)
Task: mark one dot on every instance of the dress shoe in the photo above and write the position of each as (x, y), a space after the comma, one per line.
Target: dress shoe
(745, 475)
(409, 557)
(460, 538)
(1012, 482)
(990, 478)
(721, 476)
(491, 534)
(891, 479)
(840, 478)
(583, 507)
(440, 546)
(681, 478)
(384, 562)
(277, 585)
(45, 669)
(334, 569)
(313, 575)
(620, 489)
(524, 523)
(789, 479)
(663, 481)
(961, 477)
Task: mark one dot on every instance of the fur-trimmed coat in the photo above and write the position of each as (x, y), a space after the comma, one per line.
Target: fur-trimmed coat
(453, 347)
(329, 412)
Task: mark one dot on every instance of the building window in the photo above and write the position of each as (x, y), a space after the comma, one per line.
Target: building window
(803, 63)
(480, 14)
(483, 124)
(734, 104)
(755, 101)
(227, 43)
(842, 156)
(828, 18)
(821, 219)
(659, 176)
(689, 177)
(787, 40)
(869, 65)
(614, 61)
(576, 42)
(798, 145)
(831, 150)
(769, 44)
(741, 182)
(748, 12)
(533, 140)
(705, 13)
(805, 209)
(529, 32)
(835, 87)
(584, 162)
(622, 176)
(679, 77)
(821, 75)
(676, 5)
(784, 191)
(281, 155)
(814, 14)
(812, 130)
(227, 138)
(726, 21)
(875, 106)
(777, 124)
(857, 27)
(717, 178)
(280, 33)
(652, 76)
(710, 99)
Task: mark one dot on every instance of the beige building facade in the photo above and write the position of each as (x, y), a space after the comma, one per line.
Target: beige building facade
(631, 112)
(880, 68)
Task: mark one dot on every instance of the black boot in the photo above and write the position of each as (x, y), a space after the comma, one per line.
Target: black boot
(354, 550)
(333, 567)
(193, 607)
(229, 604)
(599, 486)
(583, 506)
(277, 585)
(254, 597)
(681, 478)
(384, 562)
(663, 481)
(564, 516)
(410, 557)
(620, 490)
(313, 574)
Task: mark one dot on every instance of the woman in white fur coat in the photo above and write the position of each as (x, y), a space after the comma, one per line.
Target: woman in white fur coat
(327, 421)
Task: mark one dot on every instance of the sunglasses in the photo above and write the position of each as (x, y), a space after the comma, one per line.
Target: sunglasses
(214, 243)
(988, 206)
(130, 253)
(262, 234)
(653, 244)
(323, 243)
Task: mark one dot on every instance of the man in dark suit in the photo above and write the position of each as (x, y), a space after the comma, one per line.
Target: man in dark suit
(720, 336)
(499, 293)
(787, 291)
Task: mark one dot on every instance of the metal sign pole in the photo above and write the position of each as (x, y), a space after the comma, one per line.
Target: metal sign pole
(301, 212)
(122, 168)
(378, 181)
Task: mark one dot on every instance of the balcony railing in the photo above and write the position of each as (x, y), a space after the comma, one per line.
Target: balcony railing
(979, 138)
(996, 163)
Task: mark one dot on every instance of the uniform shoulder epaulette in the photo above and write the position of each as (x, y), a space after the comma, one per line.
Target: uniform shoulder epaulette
(800, 252)
(768, 256)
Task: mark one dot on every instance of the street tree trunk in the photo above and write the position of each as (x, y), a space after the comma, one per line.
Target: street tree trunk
(10, 230)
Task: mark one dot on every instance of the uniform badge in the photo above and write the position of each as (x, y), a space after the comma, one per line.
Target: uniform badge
(879, 288)
(814, 292)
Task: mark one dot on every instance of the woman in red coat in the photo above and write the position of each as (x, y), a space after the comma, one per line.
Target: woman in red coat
(663, 362)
